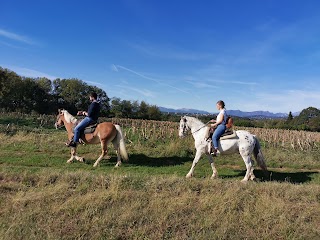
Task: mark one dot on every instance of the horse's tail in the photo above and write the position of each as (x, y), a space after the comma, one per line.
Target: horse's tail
(259, 156)
(120, 141)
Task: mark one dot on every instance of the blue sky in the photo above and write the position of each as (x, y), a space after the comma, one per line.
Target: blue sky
(253, 54)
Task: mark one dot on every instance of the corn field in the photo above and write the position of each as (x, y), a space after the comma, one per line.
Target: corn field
(144, 130)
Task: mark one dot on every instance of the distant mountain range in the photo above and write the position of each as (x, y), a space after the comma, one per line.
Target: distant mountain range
(237, 113)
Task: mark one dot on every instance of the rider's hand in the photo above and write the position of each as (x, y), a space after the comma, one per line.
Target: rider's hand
(80, 113)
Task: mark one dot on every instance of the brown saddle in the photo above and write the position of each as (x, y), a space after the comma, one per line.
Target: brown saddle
(228, 133)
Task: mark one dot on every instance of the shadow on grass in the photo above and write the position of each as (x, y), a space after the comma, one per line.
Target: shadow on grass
(289, 177)
(145, 161)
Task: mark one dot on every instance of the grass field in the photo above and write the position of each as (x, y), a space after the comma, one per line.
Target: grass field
(148, 197)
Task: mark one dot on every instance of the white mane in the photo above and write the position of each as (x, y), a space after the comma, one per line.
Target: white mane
(194, 120)
(68, 117)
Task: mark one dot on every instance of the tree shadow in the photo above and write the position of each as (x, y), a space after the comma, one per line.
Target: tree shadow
(288, 177)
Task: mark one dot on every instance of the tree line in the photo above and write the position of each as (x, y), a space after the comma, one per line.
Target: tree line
(44, 96)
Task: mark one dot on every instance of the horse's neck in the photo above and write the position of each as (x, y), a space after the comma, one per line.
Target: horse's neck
(194, 124)
(69, 127)
(196, 127)
(69, 123)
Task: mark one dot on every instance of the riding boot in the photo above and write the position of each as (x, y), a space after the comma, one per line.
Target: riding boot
(214, 152)
(72, 144)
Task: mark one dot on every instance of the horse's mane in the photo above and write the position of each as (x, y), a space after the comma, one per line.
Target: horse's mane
(68, 117)
(194, 120)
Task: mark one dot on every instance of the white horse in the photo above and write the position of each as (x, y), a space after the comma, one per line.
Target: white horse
(243, 143)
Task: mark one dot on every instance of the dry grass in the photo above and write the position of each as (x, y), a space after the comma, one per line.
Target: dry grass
(42, 197)
(82, 206)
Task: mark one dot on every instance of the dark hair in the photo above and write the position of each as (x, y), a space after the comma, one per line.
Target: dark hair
(221, 103)
(94, 95)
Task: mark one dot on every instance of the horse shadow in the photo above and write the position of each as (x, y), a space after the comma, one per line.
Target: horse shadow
(288, 177)
(146, 161)
(297, 177)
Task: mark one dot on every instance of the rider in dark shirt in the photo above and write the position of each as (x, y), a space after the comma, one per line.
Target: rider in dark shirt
(91, 116)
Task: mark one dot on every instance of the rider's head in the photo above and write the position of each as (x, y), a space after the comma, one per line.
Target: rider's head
(220, 103)
(93, 96)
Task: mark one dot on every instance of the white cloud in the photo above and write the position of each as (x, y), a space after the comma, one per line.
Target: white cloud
(152, 79)
(114, 68)
(202, 85)
(26, 72)
(169, 52)
(16, 37)
(144, 92)
(290, 100)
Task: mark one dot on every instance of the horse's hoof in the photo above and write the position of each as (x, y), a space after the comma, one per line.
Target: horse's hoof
(253, 179)
(95, 165)
(244, 181)
(214, 176)
(189, 176)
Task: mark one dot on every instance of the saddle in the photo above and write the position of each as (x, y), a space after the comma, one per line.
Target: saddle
(89, 129)
(229, 133)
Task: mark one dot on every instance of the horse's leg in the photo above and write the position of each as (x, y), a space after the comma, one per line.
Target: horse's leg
(104, 151)
(194, 163)
(72, 152)
(214, 170)
(117, 148)
(249, 173)
(74, 156)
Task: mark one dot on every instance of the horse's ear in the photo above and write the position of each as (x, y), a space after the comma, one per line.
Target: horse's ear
(59, 110)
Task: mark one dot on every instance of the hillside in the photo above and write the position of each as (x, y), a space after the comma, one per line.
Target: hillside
(238, 113)
(308, 119)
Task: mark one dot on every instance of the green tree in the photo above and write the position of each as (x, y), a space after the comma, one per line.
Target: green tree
(290, 117)
(116, 108)
(10, 90)
(73, 94)
(154, 113)
(143, 110)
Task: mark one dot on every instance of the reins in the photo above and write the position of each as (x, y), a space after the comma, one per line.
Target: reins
(199, 128)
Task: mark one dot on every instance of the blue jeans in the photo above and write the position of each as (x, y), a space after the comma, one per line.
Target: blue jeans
(221, 128)
(77, 130)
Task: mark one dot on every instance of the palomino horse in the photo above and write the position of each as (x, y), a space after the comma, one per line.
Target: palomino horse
(104, 133)
(244, 143)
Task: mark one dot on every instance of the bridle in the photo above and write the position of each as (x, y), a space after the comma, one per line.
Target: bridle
(58, 126)
(185, 127)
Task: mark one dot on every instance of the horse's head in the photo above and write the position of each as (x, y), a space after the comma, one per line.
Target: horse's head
(183, 127)
(60, 119)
